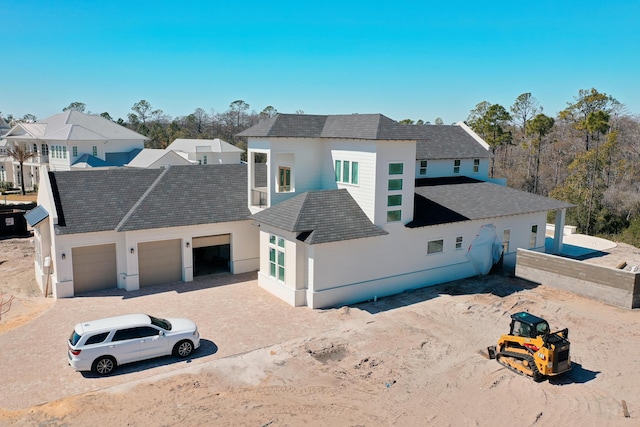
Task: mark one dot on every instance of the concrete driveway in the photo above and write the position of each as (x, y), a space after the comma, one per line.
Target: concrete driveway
(233, 315)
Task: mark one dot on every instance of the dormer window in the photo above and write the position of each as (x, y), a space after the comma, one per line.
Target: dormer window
(476, 165)
(456, 166)
(423, 168)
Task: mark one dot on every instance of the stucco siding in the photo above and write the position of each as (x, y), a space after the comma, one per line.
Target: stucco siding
(388, 153)
(444, 167)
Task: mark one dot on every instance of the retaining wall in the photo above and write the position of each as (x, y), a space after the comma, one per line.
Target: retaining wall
(606, 284)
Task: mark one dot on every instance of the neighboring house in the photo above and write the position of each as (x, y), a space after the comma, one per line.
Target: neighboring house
(153, 158)
(356, 207)
(130, 227)
(67, 141)
(207, 151)
(348, 208)
(4, 128)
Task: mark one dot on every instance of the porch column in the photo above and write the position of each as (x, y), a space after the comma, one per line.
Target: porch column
(559, 231)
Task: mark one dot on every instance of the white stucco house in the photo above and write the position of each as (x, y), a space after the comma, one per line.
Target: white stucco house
(154, 158)
(207, 151)
(356, 207)
(129, 228)
(329, 210)
(68, 141)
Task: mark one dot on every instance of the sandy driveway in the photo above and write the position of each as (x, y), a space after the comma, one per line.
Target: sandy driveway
(407, 360)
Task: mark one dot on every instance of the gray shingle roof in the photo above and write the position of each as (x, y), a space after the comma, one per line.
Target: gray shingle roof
(321, 217)
(448, 142)
(433, 141)
(350, 126)
(447, 200)
(137, 199)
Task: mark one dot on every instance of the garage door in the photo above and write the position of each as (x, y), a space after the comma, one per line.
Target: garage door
(94, 268)
(211, 254)
(160, 262)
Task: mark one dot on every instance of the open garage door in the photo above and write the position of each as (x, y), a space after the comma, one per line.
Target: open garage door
(211, 254)
(160, 262)
(94, 268)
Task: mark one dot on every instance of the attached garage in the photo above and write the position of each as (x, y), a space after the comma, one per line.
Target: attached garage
(94, 268)
(211, 254)
(160, 262)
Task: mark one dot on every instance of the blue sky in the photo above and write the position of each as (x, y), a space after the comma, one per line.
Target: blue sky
(418, 60)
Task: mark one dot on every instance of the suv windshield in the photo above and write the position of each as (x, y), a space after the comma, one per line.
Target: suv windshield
(161, 323)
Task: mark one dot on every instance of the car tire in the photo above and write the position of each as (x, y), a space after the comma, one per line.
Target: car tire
(183, 348)
(104, 365)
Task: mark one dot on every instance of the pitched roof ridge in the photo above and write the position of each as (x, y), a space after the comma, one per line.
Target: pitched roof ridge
(305, 198)
(137, 204)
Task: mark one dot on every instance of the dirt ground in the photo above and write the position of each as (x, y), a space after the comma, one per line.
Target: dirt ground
(407, 360)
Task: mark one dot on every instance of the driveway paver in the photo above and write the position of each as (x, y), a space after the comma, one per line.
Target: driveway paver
(234, 315)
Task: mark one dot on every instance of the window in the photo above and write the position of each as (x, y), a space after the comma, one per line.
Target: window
(35, 148)
(395, 200)
(125, 334)
(396, 168)
(423, 167)
(435, 246)
(354, 172)
(45, 149)
(394, 216)
(459, 242)
(98, 338)
(74, 150)
(64, 151)
(95, 150)
(346, 171)
(476, 165)
(276, 257)
(204, 160)
(534, 236)
(456, 166)
(284, 179)
(395, 184)
(506, 237)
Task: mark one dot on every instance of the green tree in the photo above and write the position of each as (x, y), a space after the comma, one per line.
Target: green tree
(524, 109)
(75, 106)
(21, 154)
(106, 116)
(406, 122)
(490, 122)
(540, 126)
(238, 109)
(268, 112)
(439, 121)
(587, 102)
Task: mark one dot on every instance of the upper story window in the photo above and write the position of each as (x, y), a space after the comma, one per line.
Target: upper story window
(94, 150)
(423, 167)
(74, 150)
(284, 179)
(204, 160)
(35, 148)
(456, 166)
(395, 184)
(476, 165)
(64, 151)
(45, 149)
(459, 242)
(347, 171)
(396, 168)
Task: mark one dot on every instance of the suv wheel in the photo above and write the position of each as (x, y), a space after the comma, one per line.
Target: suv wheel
(104, 365)
(183, 348)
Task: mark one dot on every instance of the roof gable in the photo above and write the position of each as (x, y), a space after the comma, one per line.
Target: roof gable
(215, 145)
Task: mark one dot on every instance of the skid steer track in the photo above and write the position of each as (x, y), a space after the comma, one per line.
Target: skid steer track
(519, 363)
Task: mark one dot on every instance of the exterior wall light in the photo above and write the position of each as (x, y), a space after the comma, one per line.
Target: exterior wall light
(64, 256)
(188, 244)
(132, 250)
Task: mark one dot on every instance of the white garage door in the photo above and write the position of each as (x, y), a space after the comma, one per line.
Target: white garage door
(94, 268)
(160, 262)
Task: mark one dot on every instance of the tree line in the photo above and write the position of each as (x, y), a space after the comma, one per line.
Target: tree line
(587, 154)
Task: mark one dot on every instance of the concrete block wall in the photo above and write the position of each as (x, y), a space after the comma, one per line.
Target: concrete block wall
(612, 286)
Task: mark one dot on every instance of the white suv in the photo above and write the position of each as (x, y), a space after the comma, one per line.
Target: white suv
(101, 345)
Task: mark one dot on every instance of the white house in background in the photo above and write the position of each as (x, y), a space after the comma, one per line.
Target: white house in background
(207, 151)
(67, 141)
(129, 228)
(153, 158)
(354, 207)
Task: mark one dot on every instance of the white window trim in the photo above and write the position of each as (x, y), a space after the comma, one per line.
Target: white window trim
(435, 240)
